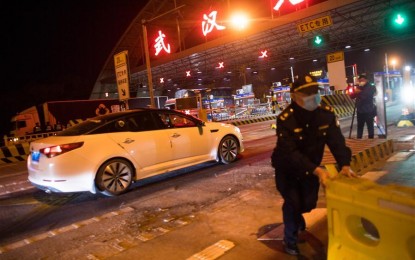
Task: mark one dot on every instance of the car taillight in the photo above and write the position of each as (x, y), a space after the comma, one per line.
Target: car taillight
(53, 151)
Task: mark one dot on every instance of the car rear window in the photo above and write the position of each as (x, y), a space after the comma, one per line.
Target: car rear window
(82, 128)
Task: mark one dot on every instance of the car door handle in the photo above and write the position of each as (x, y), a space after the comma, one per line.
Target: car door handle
(128, 141)
(175, 135)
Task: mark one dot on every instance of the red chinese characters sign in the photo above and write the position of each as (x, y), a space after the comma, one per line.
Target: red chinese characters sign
(209, 23)
(280, 2)
(160, 44)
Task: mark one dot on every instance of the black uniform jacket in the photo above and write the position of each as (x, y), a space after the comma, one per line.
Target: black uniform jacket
(302, 136)
(364, 100)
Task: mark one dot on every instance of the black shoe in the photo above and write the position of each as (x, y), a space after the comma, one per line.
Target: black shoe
(291, 249)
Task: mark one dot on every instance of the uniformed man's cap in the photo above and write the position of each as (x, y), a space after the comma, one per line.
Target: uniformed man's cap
(362, 76)
(305, 84)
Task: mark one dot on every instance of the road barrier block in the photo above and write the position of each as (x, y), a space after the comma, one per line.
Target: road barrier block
(342, 103)
(252, 120)
(370, 221)
(14, 153)
(366, 158)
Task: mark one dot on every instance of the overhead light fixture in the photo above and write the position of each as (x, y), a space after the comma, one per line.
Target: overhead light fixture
(347, 47)
(315, 60)
(367, 49)
(291, 58)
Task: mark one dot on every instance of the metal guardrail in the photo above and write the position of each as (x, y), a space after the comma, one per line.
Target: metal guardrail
(26, 138)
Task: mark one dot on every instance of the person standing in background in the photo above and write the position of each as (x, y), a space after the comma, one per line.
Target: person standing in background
(365, 107)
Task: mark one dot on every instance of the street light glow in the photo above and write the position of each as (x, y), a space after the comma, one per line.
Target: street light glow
(239, 20)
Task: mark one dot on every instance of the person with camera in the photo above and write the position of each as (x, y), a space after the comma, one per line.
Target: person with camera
(365, 107)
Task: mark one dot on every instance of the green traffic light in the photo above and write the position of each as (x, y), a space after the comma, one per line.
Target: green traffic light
(318, 40)
(399, 19)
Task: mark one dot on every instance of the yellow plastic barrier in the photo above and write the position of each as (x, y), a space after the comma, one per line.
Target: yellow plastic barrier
(370, 221)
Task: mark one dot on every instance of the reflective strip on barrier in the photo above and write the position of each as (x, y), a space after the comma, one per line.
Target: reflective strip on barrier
(14, 153)
(370, 221)
(364, 159)
(253, 120)
(342, 104)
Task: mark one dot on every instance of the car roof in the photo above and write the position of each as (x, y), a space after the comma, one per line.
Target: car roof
(115, 115)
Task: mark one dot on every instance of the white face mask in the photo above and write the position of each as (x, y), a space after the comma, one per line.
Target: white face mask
(309, 103)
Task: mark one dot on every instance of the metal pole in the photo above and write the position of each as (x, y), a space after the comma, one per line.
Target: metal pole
(292, 73)
(383, 88)
(147, 54)
(351, 125)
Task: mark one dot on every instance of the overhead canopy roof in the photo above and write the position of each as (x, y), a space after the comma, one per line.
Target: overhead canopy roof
(360, 24)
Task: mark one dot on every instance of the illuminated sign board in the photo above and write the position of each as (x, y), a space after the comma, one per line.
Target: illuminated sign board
(315, 24)
(121, 73)
(316, 73)
(335, 56)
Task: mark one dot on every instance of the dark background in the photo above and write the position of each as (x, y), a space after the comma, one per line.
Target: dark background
(54, 50)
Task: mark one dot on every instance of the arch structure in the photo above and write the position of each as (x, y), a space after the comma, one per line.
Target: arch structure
(358, 23)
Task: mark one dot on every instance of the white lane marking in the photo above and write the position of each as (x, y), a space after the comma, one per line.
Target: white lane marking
(10, 188)
(214, 251)
(55, 232)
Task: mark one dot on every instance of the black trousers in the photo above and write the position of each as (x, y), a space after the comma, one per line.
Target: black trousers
(362, 119)
(300, 196)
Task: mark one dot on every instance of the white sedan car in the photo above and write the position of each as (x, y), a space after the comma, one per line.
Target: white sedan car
(109, 152)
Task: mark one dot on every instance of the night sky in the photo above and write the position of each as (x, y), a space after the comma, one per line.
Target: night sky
(54, 50)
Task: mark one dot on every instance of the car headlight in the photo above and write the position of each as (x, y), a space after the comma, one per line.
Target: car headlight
(408, 94)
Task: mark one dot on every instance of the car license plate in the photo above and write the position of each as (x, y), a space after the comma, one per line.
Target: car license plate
(35, 156)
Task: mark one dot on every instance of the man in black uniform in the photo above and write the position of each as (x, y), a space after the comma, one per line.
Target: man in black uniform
(365, 107)
(303, 129)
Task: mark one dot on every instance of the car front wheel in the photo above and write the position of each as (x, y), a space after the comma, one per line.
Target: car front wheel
(114, 177)
(228, 149)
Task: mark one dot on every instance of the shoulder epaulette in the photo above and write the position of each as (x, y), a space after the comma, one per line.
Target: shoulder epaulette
(286, 113)
(327, 108)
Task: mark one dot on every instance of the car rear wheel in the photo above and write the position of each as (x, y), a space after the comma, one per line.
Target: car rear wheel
(228, 149)
(114, 177)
